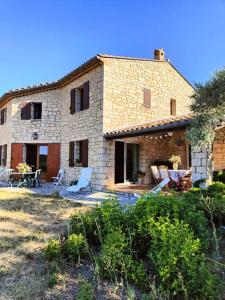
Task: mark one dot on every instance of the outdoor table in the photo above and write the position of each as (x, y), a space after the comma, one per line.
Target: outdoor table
(177, 174)
(24, 177)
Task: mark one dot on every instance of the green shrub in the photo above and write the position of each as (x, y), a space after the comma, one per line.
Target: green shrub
(96, 224)
(115, 262)
(178, 261)
(52, 250)
(85, 292)
(163, 206)
(75, 247)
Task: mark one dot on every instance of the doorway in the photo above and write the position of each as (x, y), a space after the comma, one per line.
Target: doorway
(37, 158)
(126, 162)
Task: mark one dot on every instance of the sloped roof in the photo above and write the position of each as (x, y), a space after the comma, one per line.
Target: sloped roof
(79, 71)
(151, 127)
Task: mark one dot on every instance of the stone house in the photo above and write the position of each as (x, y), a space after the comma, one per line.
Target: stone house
(115, 114)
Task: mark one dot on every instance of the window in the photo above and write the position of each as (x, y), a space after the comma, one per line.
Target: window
(31, 111)
(173, 107)
(3, 155)
(78, 153)
(147, 98)
(79, 98)
(37, 110)
(3, 116)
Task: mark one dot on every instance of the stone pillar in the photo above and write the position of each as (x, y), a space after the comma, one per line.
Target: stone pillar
(202, 164)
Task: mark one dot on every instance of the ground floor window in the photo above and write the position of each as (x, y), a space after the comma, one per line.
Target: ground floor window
(78, 153)
(3, 155)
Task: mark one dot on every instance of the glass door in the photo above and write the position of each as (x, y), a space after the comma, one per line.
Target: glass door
(132, 162)
(42, 158)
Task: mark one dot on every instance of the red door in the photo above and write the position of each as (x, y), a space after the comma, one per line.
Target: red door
(16, 155)
(53, 162)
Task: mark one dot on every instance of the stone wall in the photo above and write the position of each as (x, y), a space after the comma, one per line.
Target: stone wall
(201, 159)
(124, 82)
(5, 132)
(48, 128)
(86, 124)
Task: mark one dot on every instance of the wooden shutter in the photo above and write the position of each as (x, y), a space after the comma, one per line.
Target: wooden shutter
(4, 155)
(53, 160)
(71, 154)
(2, 116)
(173, 109)
(16, 155)
(86, 95)
(147, 97)
(84, 153)
(26, 111)
(72, 101)
(5, 115)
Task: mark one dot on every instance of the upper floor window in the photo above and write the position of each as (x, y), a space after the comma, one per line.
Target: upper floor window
(3, 116)
(79, 98)
(147, 98)
(78, 153)
(173, 107)
(3, 155)
(31, 110)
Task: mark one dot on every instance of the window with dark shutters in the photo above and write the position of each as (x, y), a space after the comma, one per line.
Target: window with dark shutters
(86, 95)
(78, 153)
(72, 100)
(2, 117)
(37, 110)
(147, 98)
(79, 98)
(26, 111)
(71, 154)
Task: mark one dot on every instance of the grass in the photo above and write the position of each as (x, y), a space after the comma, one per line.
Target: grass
(26, 223)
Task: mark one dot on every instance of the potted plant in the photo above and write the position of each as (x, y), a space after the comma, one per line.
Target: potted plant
(176, 160)
(23, 168)
(140, 176)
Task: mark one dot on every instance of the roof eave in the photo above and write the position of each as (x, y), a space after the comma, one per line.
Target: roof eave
(146, 131)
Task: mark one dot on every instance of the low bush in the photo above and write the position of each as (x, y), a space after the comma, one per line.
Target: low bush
(115, 261)
(85, 292)
(178, 260)
(75, 247)
(52, 250)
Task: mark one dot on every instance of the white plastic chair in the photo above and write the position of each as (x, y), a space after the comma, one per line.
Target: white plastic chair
(155, 173)
(58, 180)
(163, 170)
(83, 182)
(9, 176)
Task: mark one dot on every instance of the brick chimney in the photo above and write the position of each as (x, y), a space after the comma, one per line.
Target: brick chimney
(159, 54)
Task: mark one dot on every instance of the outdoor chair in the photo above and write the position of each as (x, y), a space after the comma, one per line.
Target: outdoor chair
(10, 178)
(83, 183)
(58, 180)
(156, 188)
(156, 174)
(36, 180)
(163, 171)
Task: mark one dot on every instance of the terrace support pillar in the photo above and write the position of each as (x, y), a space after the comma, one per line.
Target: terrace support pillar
(202, 165)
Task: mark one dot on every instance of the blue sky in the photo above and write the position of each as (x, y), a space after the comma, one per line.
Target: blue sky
(43, 40)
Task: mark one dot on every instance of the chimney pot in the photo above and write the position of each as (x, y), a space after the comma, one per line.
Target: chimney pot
(159, 54)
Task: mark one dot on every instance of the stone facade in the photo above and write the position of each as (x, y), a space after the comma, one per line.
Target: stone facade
(115, 101)
(5, 132)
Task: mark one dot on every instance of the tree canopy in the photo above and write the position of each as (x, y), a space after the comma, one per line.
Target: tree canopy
(209, 109)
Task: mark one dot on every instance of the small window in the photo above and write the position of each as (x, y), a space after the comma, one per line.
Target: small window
(37, 110)
(173, 108)
(31, 111)
(79, 98)
(3, 116)
(147, 98)
(78, 153)
(3, 155)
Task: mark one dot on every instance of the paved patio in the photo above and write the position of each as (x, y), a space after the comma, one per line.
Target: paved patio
(85, 198)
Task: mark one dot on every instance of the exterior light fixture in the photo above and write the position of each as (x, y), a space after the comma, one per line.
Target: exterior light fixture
(170, 133)
(35, 136)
